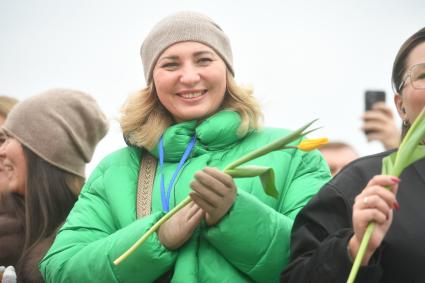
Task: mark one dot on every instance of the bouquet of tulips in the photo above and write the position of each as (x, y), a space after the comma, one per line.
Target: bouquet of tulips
(234, 169)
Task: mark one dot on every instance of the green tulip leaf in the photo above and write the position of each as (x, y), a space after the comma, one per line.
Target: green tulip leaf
(412, 140)
(266, 175)
(388, 163)
(416, 131)
(418, 154)
(267, 180)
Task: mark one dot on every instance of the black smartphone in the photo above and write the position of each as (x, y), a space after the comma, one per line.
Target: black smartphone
(373, 96)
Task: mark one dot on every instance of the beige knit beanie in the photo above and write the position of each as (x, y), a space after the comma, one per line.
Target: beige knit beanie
(61, 126)
(184, 26)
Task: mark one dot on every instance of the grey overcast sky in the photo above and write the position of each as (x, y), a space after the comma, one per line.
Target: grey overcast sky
(304, 59)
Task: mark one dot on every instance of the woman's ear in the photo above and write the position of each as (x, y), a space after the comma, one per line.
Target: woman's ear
(398, 100)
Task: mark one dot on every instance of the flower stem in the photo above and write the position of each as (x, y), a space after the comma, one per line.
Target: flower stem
(155, 227)
(152, 230)
(276, 145)
(362, 250)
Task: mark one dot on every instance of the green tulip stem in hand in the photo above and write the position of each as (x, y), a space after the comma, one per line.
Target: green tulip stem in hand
(411, 149)
(266, 175)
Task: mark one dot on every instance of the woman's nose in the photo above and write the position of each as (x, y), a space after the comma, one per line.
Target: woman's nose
(190, 75)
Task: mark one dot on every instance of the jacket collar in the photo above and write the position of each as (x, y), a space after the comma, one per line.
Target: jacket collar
(215, 133)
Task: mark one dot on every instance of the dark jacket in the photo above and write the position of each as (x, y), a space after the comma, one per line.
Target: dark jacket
(323, 227)
(12, 237)
(28, 265)
(12, 215)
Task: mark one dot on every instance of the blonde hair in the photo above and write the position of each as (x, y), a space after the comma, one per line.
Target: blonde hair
(6, 104)
(144, 119)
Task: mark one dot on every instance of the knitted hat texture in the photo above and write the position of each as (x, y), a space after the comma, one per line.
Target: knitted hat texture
(184, 26)
(62, 126)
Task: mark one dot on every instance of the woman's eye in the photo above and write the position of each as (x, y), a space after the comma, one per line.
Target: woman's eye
(169, 65)
(204, 61)
(421, 76)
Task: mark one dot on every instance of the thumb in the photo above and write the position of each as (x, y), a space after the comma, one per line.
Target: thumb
(9, 275)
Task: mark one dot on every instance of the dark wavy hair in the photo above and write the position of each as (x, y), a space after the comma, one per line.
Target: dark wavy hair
(48, 198)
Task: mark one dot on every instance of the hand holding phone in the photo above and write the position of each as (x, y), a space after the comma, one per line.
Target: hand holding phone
(372, 97)
(379, 123)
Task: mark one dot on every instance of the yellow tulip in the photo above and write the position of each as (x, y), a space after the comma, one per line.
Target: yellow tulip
(310, 144)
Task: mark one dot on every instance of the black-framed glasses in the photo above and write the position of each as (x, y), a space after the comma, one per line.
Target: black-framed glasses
(416, 74)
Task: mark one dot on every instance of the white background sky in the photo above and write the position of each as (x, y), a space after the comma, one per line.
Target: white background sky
(304, 59)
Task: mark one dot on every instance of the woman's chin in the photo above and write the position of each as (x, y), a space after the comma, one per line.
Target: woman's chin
(192, 114)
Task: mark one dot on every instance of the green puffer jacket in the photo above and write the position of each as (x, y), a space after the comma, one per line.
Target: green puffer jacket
(249, 244)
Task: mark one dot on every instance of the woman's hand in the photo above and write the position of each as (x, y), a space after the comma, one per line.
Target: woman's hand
(215, 192)
(379, 124)
(375, 203)
(7, 274)
(179, 228)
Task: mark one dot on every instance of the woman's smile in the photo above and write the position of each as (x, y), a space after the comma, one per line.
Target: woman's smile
(190, 81)
(191, 94)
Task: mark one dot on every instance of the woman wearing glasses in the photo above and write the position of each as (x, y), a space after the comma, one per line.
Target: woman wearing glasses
(327, 232)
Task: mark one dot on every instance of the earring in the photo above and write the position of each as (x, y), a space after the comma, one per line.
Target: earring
(406, 123)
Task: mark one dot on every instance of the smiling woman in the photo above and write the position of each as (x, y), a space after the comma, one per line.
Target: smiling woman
(13, 163)
(190, 80)
(6, 104)
(45, 143)
(195, 120)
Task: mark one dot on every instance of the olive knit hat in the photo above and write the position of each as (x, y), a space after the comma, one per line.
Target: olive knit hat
(184, 26)
(61, 126)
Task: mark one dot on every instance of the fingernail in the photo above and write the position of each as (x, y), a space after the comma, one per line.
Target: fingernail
(395, 180)
(396, 206)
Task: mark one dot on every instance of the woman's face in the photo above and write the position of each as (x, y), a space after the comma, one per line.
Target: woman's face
(411, 101)
(13, 163)
(190, 80)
